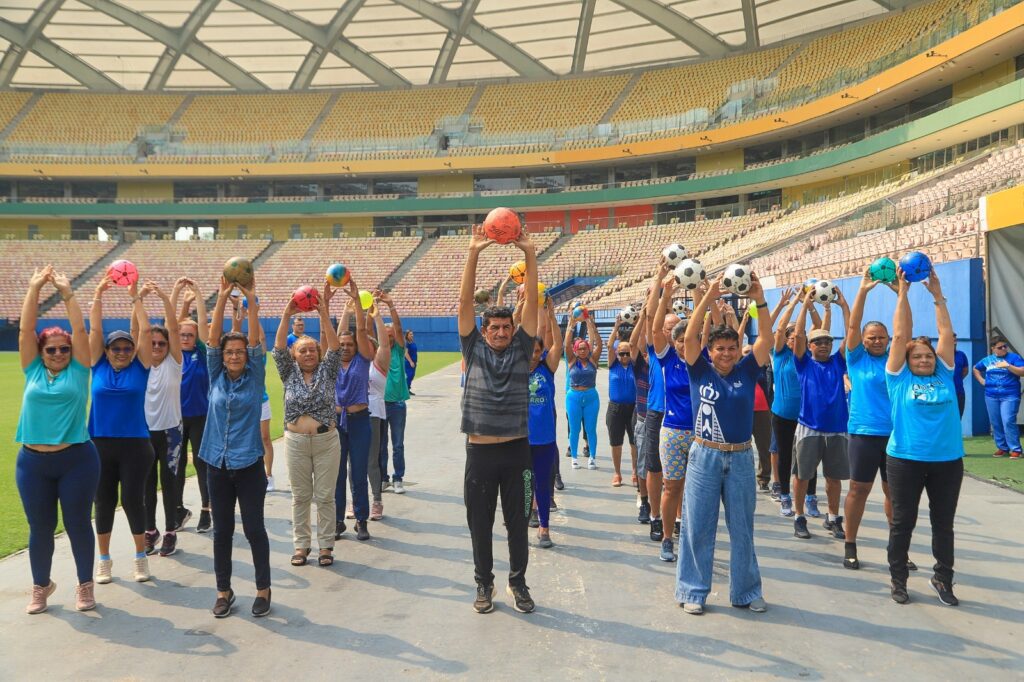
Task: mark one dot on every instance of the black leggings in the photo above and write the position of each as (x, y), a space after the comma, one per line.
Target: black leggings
(192, 433)
(124, 462)
(785, 431)
(164, 445)
(248, 488)
(762, 440)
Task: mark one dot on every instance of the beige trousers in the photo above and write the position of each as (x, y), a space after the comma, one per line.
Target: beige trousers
(313, 463)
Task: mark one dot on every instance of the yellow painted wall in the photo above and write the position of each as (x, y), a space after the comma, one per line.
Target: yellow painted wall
(280, 228)
(445, 183)
(48, 228)
(983, 80)
(1005, 209)
(160, 189)
(730, 160)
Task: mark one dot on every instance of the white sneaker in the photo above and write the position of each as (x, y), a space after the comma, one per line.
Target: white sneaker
(399, 488)
(270, 484)
(592, 463)
(575, 463)
(104, 571)
(142, 570)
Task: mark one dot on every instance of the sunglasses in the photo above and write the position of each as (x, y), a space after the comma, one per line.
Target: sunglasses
(821, 342)
(623, 355)
(53, 350)
(1001, 346)
(159, 344)
(121, 350)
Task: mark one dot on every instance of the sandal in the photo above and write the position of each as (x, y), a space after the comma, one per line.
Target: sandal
(299, 558)
(326, 557)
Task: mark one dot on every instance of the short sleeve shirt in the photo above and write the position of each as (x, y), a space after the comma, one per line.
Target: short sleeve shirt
(118, 400)
(495, 401)
(53, 410)
(656, 379)
(960, 365)
(870, 410)
(925, 416)
(195, 382)
(822, 393)
(723, 406)
(678, 407)
(999, 381)
(542, 401)
(641, 372)
(786, 402)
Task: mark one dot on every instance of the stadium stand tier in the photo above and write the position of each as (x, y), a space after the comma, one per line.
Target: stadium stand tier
(93, 118)
(18, 257)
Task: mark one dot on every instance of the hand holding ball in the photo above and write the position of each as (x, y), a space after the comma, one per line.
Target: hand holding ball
(825, 291)
(916, 266)
(337, 275)
(580, 313)
(238, 271)
(306, 298)
(503, 226)
(883, 270)
(123, 273)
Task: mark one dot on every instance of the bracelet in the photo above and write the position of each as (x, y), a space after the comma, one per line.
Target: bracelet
(762, 305)
(939, 301)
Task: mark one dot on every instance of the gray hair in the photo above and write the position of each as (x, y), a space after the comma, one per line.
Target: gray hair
(678, 330)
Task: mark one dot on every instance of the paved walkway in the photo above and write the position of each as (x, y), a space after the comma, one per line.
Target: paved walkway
(400, 604)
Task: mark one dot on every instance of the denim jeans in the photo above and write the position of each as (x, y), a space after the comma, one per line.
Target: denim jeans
(396, 425)
(713, 476)
(1002, 414)
(355, 448)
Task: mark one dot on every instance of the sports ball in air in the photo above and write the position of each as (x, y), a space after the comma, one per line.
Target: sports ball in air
(337, 275)
(480, 296)
(916, 266)
(674, 254)
(629, 315)
(123, 273)
(679, 307)
(580, 313)
(306, 298)
(690, 273)
(883, 270)
(825, 291)
(737, 279)
(365, 299)
(809, 284)
(502, 225)
(542, 292)
(518, 272)
(238, 271)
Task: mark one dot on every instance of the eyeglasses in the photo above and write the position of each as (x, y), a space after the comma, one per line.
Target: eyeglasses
(623, 355)
(53, 350)
(233, 353)
(1001, 346)
(821, 342)
(121, 350)
(188, 335)
(159, 344)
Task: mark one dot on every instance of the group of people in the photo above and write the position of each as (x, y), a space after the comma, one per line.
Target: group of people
(157, 390)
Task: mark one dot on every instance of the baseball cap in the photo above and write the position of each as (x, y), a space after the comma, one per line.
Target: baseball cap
(819, 334)
(116, 336)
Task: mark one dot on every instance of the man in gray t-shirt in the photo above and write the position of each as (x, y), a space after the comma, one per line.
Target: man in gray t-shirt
(495, 404)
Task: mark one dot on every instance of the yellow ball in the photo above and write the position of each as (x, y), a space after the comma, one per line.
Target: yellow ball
(365, 299)
(518, 272)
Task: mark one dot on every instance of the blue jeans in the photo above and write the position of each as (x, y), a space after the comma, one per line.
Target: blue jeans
(582, 407)
(713, 475)
(1002, 414)
(355, 449)
(544, 458)
(396, 425)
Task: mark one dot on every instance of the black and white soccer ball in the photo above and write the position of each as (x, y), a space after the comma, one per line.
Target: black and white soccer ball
(629, 315)
(679, 307)
(737, 279)
(690, 273)
(674, 254)
(825, 291)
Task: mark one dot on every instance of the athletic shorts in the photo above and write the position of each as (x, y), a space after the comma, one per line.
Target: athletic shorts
(675, 452)
(867, 458)
(265, 415)
(619, 420)
(651, 443)
(815, 447)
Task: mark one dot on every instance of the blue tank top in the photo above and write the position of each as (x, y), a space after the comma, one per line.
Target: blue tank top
(541, 419)
(581, 376)
(118, 401)
(621, 384)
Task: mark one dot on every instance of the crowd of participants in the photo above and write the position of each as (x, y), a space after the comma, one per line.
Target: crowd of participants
(158, 390)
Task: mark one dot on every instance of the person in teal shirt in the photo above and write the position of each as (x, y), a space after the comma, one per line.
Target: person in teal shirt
(396, 392)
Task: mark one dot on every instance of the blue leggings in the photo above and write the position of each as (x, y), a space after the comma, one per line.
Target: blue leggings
(544, 459)
(69, 477)
(355, 451)
(582, 407)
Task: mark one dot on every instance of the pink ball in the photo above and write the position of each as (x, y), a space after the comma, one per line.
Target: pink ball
(123, 273)
(306, 298)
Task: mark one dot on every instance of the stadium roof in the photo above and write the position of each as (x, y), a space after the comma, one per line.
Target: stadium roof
(111, 45)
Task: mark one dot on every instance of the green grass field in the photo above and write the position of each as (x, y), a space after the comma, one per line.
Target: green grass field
(13, 527)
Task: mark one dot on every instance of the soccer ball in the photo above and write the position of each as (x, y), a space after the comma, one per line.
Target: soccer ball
(825, 291)
(629, 315)
(690, 273)
(502, 225)
(737, 279)
(883, 270)
(674, 254)
(916, 266)
(123, 273)
(337, 275)
(306, 298)
(809, 284)
(482, 296)
(238, 271)
(679, 307)
(518, 272)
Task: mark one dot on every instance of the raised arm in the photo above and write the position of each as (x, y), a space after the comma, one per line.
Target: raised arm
(28, 347)
(691, 339)
(96, 321)
(801, 326)
(179, 285)
(500, 300)
(570, 322)
(170, 321)
(255, 330)
(555, 347)
(144, 343)
(902, 325)
(826, 320)
(217, 324)
(612, 338)
(202, 328)
(743, 325)
(517, 313)
(79, 338)
(383, 356)
(659, 339)
(946, 347)
(783, 299)
(639, 335)
(396, 321)
(467, 314)
(596, 343)
(281, 337)
(763, 345)
(530, 293)
(853, 336)
(322, 308)
(844, 308)
(787, 315)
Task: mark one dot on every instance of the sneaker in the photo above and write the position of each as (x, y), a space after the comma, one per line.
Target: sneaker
(999, 453)
(170, 544)
(349, 514)
(586, 450)
(376, 511)
(911, 566)
(800, 528)
(811, 503)
(786, 505)
(835, 527)
(522, 602)
(762, 487)
(261, 605)
(339, 528)
(85, 599)
(183, 518)
(591, 463)
(270, 484)
(657, 530)
(776, 492)
(151, 537)
(1015, 454)
(544, 541)
(693, 608)
(575, 463)
(554, 506)
(399, 488)
(484, 602)
(361, 533)
(678, 528)
(850, 559)
(204, 524)
(222, 607)
(945, 592)
(104, 571)
(558, 482)
(534, 520)
(141, 573)
(40, 593)
(385, 484)
(899, 592)
(667, 554)
(645, 512)
(757, 606)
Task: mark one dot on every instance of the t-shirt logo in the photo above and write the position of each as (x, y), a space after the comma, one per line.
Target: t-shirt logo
(708, 426)
(926, 392)
(536, 385)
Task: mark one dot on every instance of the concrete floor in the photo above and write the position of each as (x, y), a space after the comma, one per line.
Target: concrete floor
(401, 603)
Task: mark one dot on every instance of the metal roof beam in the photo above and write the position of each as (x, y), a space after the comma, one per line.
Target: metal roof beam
(169, 59)
(579, 53)
(15, 53)
(891, 5)
(315, 56)
(58, 56)
(708, 44)
(446, 55)
(366, 63)
(518, 60)
(750, 25)
(231, 73)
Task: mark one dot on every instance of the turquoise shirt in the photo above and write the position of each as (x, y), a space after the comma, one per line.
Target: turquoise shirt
(54, 413)
(925, 416)
(870, 411)
(397, 388)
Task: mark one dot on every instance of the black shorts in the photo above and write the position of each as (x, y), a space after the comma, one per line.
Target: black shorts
(651, 453)
(867, 457)
(619, 420)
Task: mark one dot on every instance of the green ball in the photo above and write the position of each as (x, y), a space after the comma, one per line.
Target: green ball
(883, 270)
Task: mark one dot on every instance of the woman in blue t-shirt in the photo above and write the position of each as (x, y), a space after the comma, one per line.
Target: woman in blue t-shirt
(720, 469)
(925, 450)
(1000, 374)
(57, 463)
(582, 403)
(117, 424)
(541, 419)
(619, 416)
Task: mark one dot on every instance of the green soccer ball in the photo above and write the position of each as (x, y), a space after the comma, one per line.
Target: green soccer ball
(883, 270)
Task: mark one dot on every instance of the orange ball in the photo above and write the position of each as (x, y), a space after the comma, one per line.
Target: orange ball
(518, 272)
(503, 226)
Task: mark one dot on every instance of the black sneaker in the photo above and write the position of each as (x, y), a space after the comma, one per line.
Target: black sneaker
(484, 602)
(553, 507)
(762, 487)
(558, 482)
(523, 603)
(170, 544)
(261, 606)
(850, 560)
(183, 517)
(645, 513)
(800, 528)
(776, 493)
(151, 537)
(361, 532)
(837, 529)
(339, 528)
(534, 520)
(945, 592)
(222, 608)
(657, 530)
(205, 523)
(899, 592)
